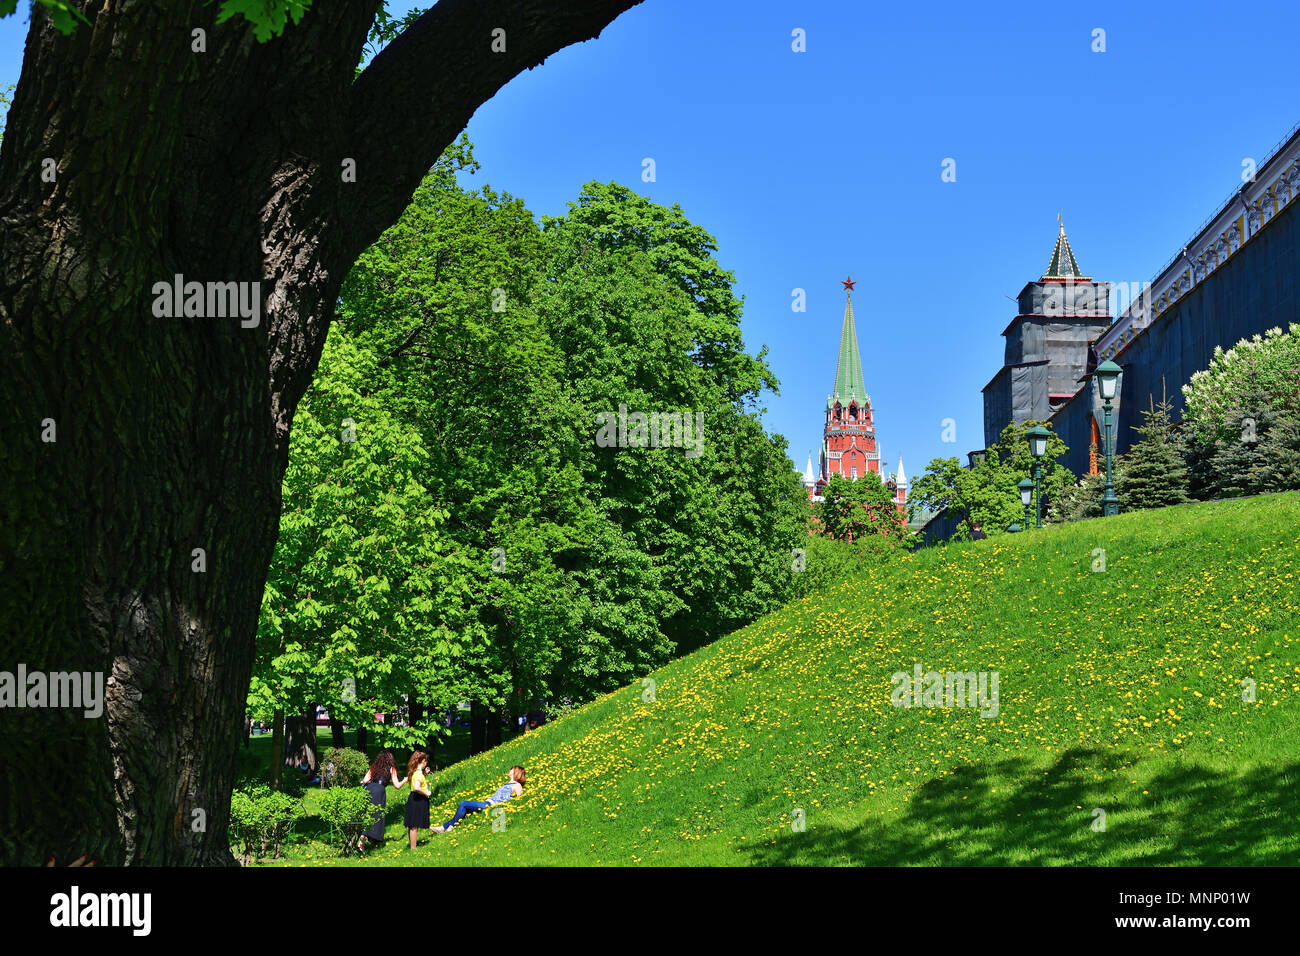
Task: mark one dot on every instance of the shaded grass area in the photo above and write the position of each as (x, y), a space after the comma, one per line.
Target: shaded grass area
(1164, 690)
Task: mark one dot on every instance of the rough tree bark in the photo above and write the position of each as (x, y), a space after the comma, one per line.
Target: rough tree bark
(171, 434)
(337, 737)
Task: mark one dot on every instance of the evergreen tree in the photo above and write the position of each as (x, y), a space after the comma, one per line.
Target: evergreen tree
(1155, 474)
(1233, 466)
(1279, 469)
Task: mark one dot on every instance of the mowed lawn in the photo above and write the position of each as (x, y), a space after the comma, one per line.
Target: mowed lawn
(1120, 691)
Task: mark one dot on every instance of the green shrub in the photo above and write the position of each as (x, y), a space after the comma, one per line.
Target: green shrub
(827, 561)
(1267, 365)
(343, 767)
(348, 811)
(262, 817)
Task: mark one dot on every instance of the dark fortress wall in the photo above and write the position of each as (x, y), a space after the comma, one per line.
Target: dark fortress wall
(1256, 290)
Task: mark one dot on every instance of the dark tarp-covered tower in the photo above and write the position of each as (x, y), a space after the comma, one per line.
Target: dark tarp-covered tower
(1047, 343)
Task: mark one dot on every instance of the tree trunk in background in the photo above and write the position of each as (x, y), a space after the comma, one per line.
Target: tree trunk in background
(140, 480)
(300, 739)
(363, 740)
(493, 738)
(277, 749)
(337, 737)
(477, 727)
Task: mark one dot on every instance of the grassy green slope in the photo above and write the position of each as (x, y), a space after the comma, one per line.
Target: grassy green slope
(1119, 690)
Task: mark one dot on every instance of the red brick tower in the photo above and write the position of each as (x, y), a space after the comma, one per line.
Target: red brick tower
(849, 439)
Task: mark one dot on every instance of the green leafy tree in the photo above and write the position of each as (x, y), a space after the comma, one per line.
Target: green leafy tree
(367, 598)
(988, 493)
(1262, 370)
(1155, 473)
(856, 508)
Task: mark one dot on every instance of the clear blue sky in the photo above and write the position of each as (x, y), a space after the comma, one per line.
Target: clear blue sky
(811, 166)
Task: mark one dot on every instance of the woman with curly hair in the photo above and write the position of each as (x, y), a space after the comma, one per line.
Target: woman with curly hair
(417, 805)
(381, 774)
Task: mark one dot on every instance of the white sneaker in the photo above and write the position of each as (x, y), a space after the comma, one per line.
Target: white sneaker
(438, 829)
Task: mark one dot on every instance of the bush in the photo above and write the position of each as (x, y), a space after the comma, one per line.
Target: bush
(827, 561)
(348, 811)
(260, 816)
(1267, 365)
(1081, 500)
(343, 767)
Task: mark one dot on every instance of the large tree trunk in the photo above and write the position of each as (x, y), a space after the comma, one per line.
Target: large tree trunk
(300, 739)
(477, 727)
(133, 439)
(277, 750)
(337, 737)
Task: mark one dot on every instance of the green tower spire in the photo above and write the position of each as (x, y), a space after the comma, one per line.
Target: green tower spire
(849, 383)
(1063, 264)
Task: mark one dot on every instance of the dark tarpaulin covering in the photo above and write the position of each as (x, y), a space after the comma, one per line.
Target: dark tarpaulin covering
(1256, 290)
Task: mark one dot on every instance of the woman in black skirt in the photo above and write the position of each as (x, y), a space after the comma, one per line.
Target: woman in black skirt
(381, 773)
(417, 805)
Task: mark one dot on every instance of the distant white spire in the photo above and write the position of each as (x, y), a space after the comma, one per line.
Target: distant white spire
(808, 478)
(901, 480)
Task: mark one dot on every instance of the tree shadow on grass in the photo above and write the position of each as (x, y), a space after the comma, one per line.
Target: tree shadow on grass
(1189, 815)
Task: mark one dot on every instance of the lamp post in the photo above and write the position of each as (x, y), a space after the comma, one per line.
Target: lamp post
(1037, 438)
(1107, 376)
(1026, 487)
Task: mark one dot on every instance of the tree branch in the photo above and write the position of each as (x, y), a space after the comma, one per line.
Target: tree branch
(417, 95)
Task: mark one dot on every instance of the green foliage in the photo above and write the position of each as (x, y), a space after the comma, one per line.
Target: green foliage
(262, 818)
(1233, 464)
(348, 811)
(268, 17)
(1155, 472)
(63, 15)
(1263, 369)
(343, 767)
(366, 599)
(989, 492)
(1280, 469)
(854, 508)
(1080, 500)
(475, 542)
(828, 561)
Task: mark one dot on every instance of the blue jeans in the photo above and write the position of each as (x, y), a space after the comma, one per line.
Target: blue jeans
(465, 807)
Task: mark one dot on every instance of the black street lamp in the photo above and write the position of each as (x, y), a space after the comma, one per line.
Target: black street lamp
(1026, 487)
(1037, 438)
(1107, 376)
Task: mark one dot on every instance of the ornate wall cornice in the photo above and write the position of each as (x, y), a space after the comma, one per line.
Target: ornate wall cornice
(1242, 217)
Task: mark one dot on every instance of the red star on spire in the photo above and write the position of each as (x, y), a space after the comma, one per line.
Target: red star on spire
(848, 284)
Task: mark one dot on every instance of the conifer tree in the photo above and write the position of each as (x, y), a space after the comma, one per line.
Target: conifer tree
(1279, 469)
(1234, 466)
(1154, 472)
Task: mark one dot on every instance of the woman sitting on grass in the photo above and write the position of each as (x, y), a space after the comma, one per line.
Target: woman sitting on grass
(513, 787)
(417, 805)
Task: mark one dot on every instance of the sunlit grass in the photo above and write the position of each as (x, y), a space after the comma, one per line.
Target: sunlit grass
(1121, 691)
